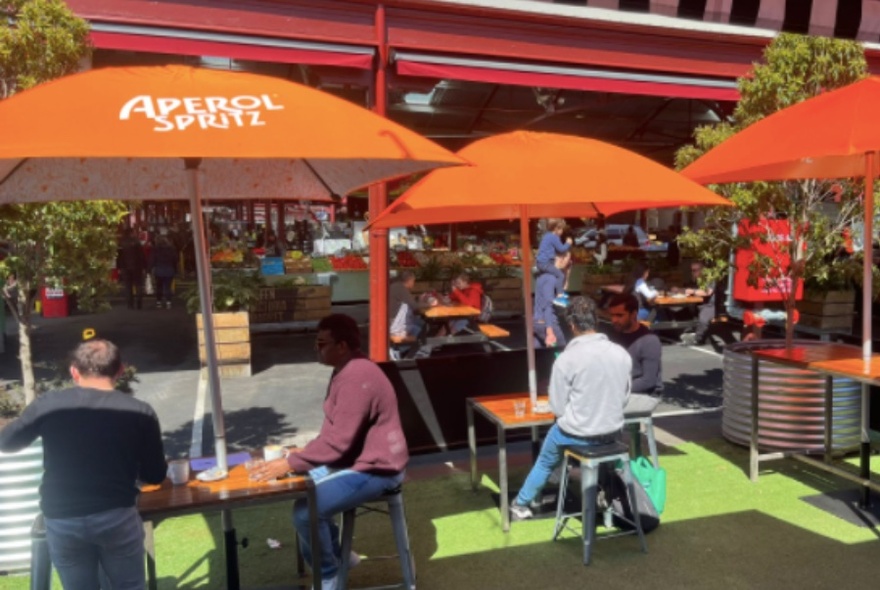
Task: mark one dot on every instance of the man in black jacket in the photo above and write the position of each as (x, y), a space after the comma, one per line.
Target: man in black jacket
(97, 443)
(132, 264)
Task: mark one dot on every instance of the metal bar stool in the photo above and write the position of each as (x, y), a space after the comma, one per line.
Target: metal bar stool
(590, 459)
(393, 500)
(638, 415)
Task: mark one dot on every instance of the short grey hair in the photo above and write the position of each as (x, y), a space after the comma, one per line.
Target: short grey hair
(581, 314)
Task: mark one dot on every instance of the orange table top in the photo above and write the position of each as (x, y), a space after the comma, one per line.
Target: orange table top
(671, 300)
(234, 491)
(836, 359)
(451, 311)
(499, 409)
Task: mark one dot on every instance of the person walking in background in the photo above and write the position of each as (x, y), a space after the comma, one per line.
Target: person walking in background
(98, 443)
(552, 245)
(164, 266)
(132, 263)
(548, 332)
(642, 344)
(630, 238)
(360, 452)
(589, 387)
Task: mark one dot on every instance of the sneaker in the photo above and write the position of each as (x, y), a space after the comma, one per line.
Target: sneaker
(688, 339)
(520, 512)
(158, 304)
(354, 560)
(167, 305)
(329, 583)
(561, 300)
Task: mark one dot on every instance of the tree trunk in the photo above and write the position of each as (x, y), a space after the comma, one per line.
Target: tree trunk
(25, 303)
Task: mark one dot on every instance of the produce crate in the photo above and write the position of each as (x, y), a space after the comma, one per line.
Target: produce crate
(826, 311)
(233, 337)
(291, 304)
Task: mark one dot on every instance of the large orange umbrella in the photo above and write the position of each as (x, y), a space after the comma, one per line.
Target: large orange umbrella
(833, 135)
(525, 174)
(184, 133)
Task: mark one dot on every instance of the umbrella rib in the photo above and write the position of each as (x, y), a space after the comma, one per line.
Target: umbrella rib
(14, 169)
(333, 194)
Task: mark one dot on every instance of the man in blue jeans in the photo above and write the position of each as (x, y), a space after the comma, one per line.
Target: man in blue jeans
(360, 451)
(589, 387)
(97, 443)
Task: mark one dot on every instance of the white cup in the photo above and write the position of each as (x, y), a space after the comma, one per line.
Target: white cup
(519, 408)
(178, 471)
(272, 452)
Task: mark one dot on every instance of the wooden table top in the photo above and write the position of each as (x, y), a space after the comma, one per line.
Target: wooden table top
(499, 408)
(451, 311)
(198, 496)
(826, 357)
(671, 300)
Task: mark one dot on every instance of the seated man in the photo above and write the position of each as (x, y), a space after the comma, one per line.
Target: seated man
(402, 307)
(547, 330)
(642, 345)
(360, 452)
(589, 387)
(705, 311)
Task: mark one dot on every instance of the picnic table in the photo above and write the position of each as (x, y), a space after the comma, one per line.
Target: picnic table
(673, 303)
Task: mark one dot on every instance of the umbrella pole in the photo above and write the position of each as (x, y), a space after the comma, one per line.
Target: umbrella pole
(526, 258)
(868, 263)
(204, 282)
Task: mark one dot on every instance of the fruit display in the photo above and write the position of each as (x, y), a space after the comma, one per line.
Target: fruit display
(348, 262)
(321, 265)
(405, 259)
(580, 255)
(295, 261)
(227, 256)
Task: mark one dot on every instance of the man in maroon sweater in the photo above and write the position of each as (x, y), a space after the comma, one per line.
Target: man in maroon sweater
(360, 451)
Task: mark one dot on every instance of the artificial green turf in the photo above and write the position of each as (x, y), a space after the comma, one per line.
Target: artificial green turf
(719, 530)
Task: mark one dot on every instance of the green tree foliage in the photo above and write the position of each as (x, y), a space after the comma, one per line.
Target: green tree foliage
(794, 68)
(49, 244)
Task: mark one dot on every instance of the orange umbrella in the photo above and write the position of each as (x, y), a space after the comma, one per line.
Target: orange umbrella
(525, 174)
(178, 132)
(833, 135)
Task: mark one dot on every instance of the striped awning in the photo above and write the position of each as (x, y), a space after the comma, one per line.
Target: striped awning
(849, 19)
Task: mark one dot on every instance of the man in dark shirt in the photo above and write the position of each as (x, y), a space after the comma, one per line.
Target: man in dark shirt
(705, 311)
(360, 451)
(643, 345)
(132, 264)
(97, 443)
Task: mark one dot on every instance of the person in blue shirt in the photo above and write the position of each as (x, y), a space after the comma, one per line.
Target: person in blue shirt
(551, 246)
(638, 285)
(548, 332)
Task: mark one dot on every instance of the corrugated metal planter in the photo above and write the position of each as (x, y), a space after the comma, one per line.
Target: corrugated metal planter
(791, 402)
(20, 476)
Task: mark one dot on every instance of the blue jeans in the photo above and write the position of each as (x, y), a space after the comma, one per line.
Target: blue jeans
(549, 458)
(550, 268)
(336, 492)
(113, 539)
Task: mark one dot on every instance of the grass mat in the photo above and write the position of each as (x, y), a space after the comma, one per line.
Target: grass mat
(719, 530)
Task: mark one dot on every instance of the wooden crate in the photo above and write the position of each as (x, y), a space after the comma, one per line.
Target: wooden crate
(828, 310)
(233, 338)
(291, 304)
(506, 293)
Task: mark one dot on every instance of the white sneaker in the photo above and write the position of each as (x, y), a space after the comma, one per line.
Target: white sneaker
(329, 583)
(520, 512)
(354, 560)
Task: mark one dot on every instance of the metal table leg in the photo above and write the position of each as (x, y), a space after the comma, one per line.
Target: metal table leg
(312, 499)
(150, 550)
(472, 443)
(502, 477)
(865, 450)
(753, 443)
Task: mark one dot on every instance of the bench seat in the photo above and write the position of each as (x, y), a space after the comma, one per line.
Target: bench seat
(493, 331)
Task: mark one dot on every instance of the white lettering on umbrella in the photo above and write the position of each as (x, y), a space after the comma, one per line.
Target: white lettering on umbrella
(209, 112)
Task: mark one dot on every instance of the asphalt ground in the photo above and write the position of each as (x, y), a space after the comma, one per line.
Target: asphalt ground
(281, 401)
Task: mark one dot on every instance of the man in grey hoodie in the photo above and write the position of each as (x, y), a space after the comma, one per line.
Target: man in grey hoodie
(589, 387)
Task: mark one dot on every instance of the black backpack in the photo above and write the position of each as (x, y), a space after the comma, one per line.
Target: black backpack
(614, 489)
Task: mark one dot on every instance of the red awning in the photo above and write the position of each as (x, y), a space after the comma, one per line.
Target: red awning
(571, 78)
(277, 51)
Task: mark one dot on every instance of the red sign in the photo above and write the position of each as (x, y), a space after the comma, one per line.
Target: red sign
(776, 285)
